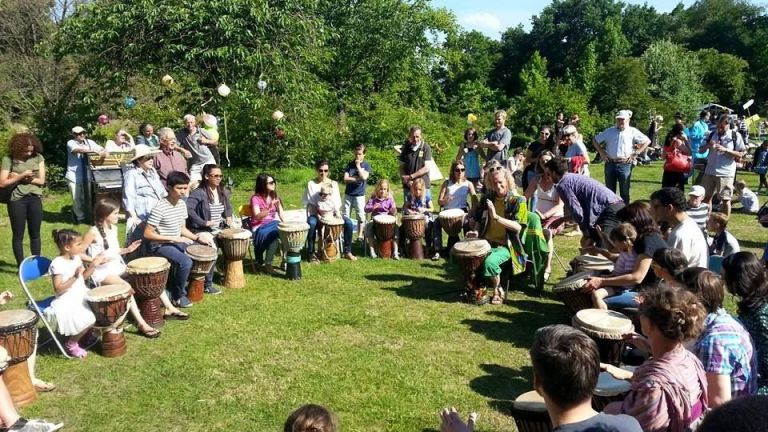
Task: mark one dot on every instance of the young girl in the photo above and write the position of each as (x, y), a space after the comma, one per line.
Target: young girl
(267, 211)
(381, 203)
(470, 154)
(623, 238)
(73, 315)
(749, 201)
(668, 265)
(310, 418)
(325, 205)
(420, 202)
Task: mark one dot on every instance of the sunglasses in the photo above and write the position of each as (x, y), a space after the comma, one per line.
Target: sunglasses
(322, 170)
(322, 194)
(80, 133)
(271, 182)
(215, 176)
(459, 170)
(496, 168)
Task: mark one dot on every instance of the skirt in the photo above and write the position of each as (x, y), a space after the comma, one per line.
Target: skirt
(73, 315)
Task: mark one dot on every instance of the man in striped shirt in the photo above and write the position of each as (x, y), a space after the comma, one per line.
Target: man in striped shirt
(169, 237)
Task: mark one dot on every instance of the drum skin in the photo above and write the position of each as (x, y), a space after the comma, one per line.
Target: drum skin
(569, 292)
(607, 329)
(452, 221)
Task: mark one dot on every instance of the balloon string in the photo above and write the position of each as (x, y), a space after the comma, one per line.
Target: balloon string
(226, 139)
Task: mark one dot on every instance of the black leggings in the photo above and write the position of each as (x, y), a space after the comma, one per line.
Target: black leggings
(26, 211)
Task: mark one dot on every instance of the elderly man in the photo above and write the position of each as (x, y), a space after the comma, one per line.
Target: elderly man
(197, 141)
(725, 146)
(619, 146)
(497, 140)
(413, 160)
(77, 170)
(171, 157)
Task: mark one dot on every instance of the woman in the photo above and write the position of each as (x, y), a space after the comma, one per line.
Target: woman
(668, 265)
(745, 278)
(724, 346)
(760, 164)
(668, 392)
(147, 136)
(122, 143)
(676, 143)
(453, 195)
(546, 202)
(469, 154)
(546, 141)
(142, 190)
(22, 176)
(266, 214)
(576, 154)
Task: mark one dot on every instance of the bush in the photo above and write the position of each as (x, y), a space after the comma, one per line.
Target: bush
(54, 177)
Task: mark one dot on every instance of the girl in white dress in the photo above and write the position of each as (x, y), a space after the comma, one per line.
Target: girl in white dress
(73, 315)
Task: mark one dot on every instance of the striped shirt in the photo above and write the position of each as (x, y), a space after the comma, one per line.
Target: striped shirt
(699, 215)
(217, 213)
(725, 348)
(167, 218)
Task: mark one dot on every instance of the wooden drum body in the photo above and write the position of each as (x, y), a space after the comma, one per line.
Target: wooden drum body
(234, 246)
(109, 304)
(330, 229)
(293, 236)
(607, 328)
(530, 413)
(470, 254)
(414, 227)
(18, 335)
(569, 292)
(384, 227)
(148, 277)
(203, 259)
(607, 390)
(451, 220)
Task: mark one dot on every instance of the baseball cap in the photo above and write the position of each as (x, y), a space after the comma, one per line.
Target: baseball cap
(697, 191)
(77, 130)
(624, 114)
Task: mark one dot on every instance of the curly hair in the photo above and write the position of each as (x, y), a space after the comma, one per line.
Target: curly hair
(17, 145)
(708, 286)
(677, 313)
(310, 418)
(745, 278)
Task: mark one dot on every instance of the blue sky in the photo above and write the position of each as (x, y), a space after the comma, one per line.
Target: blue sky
(492, 17)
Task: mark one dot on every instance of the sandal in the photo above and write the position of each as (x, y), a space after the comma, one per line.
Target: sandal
(150, 333)
(75, 350)
(496, 300)
(42, 386)
(180, 316)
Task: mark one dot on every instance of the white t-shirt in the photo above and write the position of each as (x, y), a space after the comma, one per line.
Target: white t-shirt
(749, 201)
(620, 144)
(688, 237)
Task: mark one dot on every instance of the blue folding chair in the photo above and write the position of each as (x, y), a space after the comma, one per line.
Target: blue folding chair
(33, 268)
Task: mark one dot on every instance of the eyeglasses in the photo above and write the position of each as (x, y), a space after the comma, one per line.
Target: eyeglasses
(322, 170)
(271, 182)
(80, 133)
(215, 176)
(459, 169)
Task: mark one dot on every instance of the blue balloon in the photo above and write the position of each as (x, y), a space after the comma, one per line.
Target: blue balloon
(129, 102)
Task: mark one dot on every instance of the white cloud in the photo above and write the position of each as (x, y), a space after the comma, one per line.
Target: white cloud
(484, 22)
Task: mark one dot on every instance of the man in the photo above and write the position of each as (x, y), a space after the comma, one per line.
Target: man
(669, 205)
(355, 178)
(77, 170)
(497, 140)
(413, 161)
(171, 158)
(725, 146)
(504, 216)
(170, 237)
(590, 203)
(566, 365)
(198, 142)
(619, 146)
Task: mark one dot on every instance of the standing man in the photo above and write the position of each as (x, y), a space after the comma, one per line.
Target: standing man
(77, 170)
(497, 140)
(619, 146)
(413, 161)
(697, 134)
(355, 177)
(197, 141)
(725, 146)
(171, 157)
(669, 205)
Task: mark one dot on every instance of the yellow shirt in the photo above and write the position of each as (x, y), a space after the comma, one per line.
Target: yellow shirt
(496, 232)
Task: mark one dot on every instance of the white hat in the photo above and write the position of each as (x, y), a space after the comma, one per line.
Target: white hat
(77, 130)
(697, 191)
(624, 114)
(569, 129)
(142, 150)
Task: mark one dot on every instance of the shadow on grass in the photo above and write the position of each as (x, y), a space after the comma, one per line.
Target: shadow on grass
(517, 327)
(63, 216)
(502, 385)
(7, 267)
(751, 244)
(419, 288)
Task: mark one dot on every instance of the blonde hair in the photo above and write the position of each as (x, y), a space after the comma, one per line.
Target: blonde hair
(500, 113)
(719, 218)
(418, 184)
(380, 185)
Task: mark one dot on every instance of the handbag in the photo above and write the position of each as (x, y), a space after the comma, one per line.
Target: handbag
(677, 162)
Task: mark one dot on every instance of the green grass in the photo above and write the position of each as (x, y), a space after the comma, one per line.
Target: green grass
(384, 344)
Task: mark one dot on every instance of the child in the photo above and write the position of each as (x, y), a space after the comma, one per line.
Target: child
(356, 179)
(325, 205)
(381, 202)
(623, 239)
(73, 315)
(101, 240)
(310, 418)
(470, 154)
(420, 202)
(668, 265)
(749, 202)
(698, 210)
(723, 242)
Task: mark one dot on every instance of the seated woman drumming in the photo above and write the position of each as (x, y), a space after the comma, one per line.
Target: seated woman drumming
(381, 203)
(266, 214)
(454, 194)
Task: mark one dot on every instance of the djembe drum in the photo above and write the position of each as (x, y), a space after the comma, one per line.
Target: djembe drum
(470, 255)
(292, 237)
(569, 292)
(234, 246)
(18, 335)
(593, 263)
(203, 259)
(109, 304)
(384, 227)
(530, 413)
(148, 277)
(330, 232)
(609, 389)
(607, 328)
(414, 227)
(452, 221)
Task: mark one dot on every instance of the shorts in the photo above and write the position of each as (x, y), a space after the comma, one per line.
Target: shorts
(357, 203)
(722, 186)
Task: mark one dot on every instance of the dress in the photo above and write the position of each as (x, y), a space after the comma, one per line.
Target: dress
(114, 264)
(73, 315)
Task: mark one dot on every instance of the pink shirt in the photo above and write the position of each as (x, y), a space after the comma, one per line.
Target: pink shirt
(259, 202)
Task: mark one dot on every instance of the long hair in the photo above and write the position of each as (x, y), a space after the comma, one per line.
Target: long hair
(676, 130)
(452, 175)
(261, 189)
(310, 418)
(101, 211)
(638, 213)
(205, 181)
(745, 278)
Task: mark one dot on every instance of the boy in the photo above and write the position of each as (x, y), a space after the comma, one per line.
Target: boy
(749, 202)
(355, 178)
(698, 210)
(723, 242)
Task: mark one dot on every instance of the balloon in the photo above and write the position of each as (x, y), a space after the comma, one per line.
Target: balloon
(167, 80)
(262, 85)
(277, 115)
(471, 118)
(223, 90)
(129, 102)
(103, 119)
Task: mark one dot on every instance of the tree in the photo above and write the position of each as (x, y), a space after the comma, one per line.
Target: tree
(724, 76)
(623, 84)
(516, 45)
(674, 75)
(612, 43)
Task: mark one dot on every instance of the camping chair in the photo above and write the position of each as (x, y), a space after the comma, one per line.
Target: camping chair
(245, 213)
(33, 268)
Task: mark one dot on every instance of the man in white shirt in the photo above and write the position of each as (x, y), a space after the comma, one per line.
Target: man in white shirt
(668, 205)
(619, 146)
(77, 169)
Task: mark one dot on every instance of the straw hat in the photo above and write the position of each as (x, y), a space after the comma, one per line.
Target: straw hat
(142, 150)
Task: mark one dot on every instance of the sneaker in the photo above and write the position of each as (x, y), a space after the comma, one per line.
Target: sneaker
(184, 302)
(212, 290)
(396, 257)
(436, 256)
(23, 425)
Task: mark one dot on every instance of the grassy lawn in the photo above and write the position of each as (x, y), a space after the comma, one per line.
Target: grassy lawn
(384, 344)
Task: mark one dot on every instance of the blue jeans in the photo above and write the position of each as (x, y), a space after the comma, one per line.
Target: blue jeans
(263, 237)
(175, 253)
(312, 220)
(621, 173)
(622, 301)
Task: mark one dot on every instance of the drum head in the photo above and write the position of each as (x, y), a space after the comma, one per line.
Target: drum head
(603, 323)
(147, 265)
(108, 292)
(235, 233)
(332, 221)
(413, 217)
(202, 252)
(16, 317)
(572, 281)
(451, 213)
(471, 247)
(530, 401)
(385, 219)
(607, 385)
(293, 226)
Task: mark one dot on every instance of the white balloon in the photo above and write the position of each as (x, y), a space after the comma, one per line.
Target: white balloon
(224, 90)
(262, 85)
(277, 115)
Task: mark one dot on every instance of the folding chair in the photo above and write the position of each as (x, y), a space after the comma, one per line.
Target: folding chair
(33, 268)
(245, 213)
